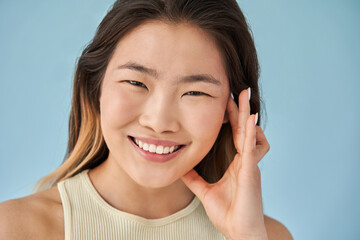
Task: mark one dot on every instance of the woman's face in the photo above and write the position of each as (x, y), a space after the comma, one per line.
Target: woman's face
(148, 94)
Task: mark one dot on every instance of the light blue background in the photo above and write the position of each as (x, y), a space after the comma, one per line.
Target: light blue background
(309, 54)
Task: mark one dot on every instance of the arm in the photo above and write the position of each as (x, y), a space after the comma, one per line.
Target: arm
(12, 217)
(38, 216)
(276, 230)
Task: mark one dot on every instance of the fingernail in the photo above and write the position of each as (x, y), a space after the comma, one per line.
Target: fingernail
(232, 96)
(249, 90)
(256, 118)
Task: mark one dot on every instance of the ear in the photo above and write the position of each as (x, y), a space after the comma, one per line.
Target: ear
(226, 118)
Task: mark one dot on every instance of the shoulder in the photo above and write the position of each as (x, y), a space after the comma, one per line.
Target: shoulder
(37, 216)
(276, 230)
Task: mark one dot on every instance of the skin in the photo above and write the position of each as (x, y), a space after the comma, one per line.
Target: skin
(234, 204)
(161, 108)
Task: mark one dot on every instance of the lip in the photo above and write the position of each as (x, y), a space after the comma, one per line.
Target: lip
(157, 142)
(156, 157)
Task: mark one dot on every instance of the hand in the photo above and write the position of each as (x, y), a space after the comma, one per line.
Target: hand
(234, 203)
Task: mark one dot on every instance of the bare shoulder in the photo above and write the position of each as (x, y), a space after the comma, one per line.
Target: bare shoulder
(37, 216)
(276, 230)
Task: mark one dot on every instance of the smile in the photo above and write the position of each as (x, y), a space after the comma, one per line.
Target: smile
(158, 149)
(156, 153)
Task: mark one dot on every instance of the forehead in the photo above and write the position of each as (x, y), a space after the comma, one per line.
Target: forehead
(171, 49)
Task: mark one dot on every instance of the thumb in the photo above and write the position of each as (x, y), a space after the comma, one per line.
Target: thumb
(196, 184)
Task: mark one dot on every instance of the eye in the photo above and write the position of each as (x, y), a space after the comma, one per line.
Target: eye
(196, 93)
(136, 83)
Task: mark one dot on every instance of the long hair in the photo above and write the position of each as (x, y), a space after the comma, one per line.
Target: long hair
(221, 19)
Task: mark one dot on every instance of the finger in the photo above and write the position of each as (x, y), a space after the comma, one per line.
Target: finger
(244, 113)
(248, 160)
(196, 184)
(233, 114)
(262, 145)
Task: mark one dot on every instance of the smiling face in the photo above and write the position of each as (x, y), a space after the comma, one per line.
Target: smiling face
(150, 92)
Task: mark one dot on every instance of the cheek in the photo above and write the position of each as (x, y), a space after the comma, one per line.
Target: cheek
(117, 107)
(204, 121)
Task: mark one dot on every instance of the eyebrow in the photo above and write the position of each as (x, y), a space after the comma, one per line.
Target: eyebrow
(208, 78)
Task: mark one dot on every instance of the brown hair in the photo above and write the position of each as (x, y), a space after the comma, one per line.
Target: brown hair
(221, 19)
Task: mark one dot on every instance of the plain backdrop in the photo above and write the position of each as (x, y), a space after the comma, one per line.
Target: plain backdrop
(309, 53)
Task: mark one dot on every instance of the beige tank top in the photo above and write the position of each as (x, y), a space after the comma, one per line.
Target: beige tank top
(88, 216)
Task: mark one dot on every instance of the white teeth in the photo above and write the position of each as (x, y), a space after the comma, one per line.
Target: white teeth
(152, 148)
(172, 149)
(156, 149)
(159, 149)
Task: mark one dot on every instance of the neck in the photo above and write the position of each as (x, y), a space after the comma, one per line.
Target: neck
(124, 194)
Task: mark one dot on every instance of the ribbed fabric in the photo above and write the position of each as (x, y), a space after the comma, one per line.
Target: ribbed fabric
(88, 216)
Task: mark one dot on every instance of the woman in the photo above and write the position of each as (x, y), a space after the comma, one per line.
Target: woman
(158, 148)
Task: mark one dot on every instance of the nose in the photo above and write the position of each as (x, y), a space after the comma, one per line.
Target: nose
(159, 114)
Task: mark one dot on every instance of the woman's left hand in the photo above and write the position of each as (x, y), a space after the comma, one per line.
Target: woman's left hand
(234, 203)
